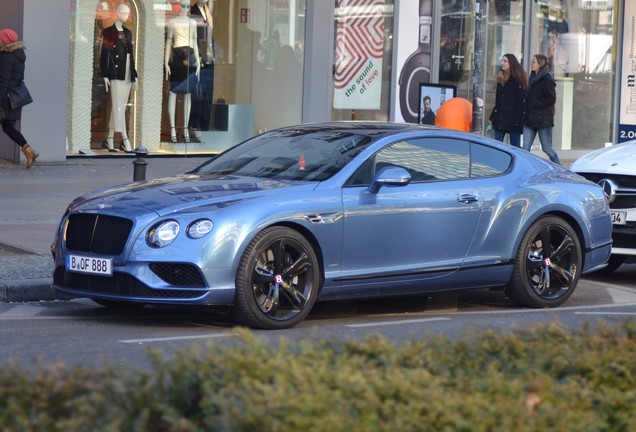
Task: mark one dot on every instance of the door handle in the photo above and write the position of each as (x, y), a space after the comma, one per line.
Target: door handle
(467, 198)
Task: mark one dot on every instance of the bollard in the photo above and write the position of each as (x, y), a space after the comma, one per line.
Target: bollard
(139, 171)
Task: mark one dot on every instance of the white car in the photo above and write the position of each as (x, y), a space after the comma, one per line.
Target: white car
(614, 168)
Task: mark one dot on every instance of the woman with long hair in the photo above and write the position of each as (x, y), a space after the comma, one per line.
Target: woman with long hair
(539, 116)
(510, 101)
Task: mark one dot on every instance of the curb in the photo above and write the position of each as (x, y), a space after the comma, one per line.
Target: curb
(30, 290)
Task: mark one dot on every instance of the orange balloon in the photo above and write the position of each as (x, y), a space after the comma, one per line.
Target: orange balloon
(455, 113)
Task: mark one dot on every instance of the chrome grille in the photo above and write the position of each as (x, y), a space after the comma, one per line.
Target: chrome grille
(623, 181)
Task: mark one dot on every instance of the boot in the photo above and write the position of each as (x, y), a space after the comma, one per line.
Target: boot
(30, 154)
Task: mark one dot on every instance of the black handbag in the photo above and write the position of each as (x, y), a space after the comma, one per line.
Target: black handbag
(19, 96)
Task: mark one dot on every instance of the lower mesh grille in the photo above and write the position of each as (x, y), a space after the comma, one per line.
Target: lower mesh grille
(180, 275)
(120, 284)
(624, 239)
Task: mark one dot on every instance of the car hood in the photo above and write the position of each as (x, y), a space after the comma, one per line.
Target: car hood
(182, 193)
(617, 159)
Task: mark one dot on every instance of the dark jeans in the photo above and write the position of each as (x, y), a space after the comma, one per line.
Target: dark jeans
(9, 128)
(515, 137)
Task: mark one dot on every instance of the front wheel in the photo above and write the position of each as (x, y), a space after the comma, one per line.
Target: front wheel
(547, 265)
(277, 281)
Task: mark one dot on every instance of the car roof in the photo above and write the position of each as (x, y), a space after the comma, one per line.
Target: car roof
(375, 126)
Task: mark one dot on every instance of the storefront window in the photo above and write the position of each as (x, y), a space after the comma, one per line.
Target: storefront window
(457, 37)
(457, 40)
(579, 43)
(183, 76)
(363, 53)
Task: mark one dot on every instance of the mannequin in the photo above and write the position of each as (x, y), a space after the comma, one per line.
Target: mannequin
(120, 76)
(201, 112)
(180, 61)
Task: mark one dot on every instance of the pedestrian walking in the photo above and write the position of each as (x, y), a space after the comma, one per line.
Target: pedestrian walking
(12, 63)
(539, 116)
(510, 100)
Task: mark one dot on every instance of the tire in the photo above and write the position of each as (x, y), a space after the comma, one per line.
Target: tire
(277, 280)
(545, 277)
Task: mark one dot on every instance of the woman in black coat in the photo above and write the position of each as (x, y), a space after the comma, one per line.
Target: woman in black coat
(510, 102)
(12, 59)
(539, 117)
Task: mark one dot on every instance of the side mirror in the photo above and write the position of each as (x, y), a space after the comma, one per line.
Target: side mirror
(389, 176)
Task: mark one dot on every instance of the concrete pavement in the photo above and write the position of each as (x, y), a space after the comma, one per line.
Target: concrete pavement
(33, 201)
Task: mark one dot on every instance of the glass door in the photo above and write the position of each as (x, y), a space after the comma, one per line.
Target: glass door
(578, 39)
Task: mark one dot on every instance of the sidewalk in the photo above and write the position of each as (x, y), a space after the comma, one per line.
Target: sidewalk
(33, 201)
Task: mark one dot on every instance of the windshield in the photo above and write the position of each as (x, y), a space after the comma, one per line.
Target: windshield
(312, 155)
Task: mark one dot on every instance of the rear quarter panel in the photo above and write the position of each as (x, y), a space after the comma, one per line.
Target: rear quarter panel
(512, 203)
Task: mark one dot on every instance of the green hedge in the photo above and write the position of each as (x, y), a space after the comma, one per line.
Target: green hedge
(545, 378)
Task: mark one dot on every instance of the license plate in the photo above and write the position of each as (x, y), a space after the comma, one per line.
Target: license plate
(89, 265)
(619, 217)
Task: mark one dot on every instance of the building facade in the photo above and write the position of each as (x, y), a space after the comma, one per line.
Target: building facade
(198, 76)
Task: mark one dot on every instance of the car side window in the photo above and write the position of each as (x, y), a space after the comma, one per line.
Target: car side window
(428, 159)
(488, 161)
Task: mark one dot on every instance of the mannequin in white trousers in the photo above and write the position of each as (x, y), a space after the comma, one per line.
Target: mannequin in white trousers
(119, 92)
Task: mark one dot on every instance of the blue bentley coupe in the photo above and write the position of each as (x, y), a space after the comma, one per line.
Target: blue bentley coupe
(333, 211)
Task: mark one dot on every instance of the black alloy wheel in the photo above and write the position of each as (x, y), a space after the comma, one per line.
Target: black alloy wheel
(277, 281)
(547, 266)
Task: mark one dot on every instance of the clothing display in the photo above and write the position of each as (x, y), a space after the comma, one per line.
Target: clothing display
(202, 98)
(183, 67)
(117, 55)
(117, 68)
(183, 60)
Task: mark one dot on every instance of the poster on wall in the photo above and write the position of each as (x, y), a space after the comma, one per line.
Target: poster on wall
(627, 112)
(359, 52)
(432, 97)
(413, 57)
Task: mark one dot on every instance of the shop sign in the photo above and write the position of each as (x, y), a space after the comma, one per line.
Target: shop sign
(627, 112)
(359, 52)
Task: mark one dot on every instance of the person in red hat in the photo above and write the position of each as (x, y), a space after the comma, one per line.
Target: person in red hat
(12, 62)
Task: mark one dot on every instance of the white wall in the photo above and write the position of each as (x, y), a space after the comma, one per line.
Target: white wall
(46, 35)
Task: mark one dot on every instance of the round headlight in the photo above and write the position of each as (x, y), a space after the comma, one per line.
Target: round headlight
(163, 234)
(200, 228)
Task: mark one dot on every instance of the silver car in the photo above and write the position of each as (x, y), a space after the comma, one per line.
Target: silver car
(337, 210)
(614, 168)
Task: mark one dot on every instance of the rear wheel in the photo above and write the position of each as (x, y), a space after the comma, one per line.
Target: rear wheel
(277, 280)
(547, 266)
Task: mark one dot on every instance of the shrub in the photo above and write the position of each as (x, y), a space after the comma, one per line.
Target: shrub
(544, 378)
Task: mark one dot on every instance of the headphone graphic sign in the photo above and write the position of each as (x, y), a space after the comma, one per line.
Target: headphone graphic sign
(416, 69)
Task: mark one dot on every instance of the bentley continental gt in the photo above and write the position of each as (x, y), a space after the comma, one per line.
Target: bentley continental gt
(333, 211)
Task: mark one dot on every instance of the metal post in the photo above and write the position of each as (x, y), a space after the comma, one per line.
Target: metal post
(479, 65)
(139, 170)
